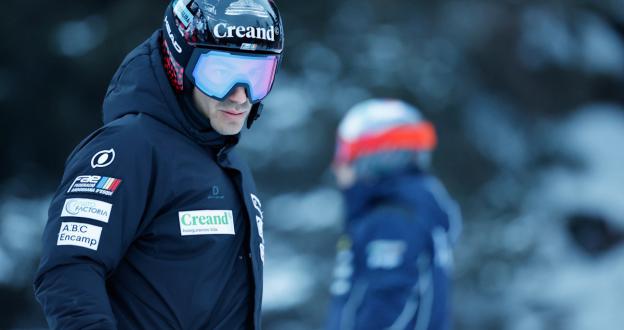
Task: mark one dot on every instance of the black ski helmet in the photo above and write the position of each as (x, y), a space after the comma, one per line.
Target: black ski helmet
(240, 26)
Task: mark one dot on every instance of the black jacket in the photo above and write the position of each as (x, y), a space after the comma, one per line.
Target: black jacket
(156, 223)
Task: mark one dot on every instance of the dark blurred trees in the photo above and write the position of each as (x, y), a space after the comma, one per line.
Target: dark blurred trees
(57, 59)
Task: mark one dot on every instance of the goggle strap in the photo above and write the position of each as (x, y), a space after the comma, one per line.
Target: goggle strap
(254, 114)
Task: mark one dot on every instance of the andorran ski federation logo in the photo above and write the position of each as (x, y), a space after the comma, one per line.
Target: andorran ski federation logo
(102, 185)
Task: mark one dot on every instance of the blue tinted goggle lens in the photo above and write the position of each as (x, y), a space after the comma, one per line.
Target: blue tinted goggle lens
(216, 73)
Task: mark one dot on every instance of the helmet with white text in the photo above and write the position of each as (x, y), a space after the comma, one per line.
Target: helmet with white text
(217, 45)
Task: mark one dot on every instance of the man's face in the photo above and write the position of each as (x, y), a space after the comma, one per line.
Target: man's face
(226, 117)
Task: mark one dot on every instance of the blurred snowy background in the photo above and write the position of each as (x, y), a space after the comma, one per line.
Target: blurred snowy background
(526, 95)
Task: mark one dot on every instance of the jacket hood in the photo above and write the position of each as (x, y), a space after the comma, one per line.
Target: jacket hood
(140, 85)
(398, 188)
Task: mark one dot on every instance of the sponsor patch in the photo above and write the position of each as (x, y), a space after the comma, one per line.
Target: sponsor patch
(79, 234)
(181, 11)
(87, 208)
(103, 158)
(206, 222)
(246, 7)
(102, 185)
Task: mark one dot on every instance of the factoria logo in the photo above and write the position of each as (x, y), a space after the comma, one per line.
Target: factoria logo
(86, 208)
(171, 37)
(223, 30)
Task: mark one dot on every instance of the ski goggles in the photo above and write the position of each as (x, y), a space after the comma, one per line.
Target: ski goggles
(217, 73)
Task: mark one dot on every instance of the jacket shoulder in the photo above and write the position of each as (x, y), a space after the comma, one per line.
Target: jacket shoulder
(129, 132)
(131, 137)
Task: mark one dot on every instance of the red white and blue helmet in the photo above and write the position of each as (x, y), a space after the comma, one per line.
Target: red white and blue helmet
(382, 132)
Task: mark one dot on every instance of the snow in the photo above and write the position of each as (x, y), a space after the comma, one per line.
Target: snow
(21, 227)
(575, 288)
(316, 210)
(288, 281)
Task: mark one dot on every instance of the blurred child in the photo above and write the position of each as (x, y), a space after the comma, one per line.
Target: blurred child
(394, 259)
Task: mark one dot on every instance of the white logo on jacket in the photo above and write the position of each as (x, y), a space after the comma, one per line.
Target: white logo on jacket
(260, 222)
(103, 158)
(79, 234)
(87, 208)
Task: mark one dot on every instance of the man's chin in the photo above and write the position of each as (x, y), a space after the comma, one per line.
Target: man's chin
(229, 130)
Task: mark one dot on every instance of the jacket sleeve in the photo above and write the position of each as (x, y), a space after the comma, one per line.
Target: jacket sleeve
(93, 218)
(451, 222)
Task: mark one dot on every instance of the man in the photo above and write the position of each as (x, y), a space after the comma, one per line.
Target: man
(393, 261)
(156, 223)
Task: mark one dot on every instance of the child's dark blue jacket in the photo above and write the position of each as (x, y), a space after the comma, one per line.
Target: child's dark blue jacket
(393, 261)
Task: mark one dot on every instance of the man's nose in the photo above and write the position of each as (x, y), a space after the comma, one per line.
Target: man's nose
(239, 95)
